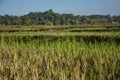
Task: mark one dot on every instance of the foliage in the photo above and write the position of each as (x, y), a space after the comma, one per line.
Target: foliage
(51, 18)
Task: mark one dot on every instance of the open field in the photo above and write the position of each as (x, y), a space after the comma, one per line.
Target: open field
(85, 52)
(83, 28)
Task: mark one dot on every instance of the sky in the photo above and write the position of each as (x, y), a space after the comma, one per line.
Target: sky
(76, 7)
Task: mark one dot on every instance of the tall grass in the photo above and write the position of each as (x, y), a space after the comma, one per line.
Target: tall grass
(59, 60)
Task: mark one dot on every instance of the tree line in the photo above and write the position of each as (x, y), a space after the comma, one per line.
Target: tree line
(51, 18)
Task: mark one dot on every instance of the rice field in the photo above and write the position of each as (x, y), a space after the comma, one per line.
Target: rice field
(59, 54)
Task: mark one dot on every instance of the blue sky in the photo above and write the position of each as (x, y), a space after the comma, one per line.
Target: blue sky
(77, 7)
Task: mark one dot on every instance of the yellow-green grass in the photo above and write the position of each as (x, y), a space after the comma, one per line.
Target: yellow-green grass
(62, 34)
(20, 28)
(59, 60)
(60, 54)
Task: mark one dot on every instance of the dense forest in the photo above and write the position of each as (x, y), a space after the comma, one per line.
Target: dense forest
(51, 18)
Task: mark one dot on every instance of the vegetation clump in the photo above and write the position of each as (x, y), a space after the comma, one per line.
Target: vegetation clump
(51, 18)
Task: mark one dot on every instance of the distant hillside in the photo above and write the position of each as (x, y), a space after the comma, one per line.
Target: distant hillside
(51, 18)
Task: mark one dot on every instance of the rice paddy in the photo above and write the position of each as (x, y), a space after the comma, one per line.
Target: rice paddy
(60, 52)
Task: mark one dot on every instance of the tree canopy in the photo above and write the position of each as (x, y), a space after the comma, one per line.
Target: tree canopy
(51, 18)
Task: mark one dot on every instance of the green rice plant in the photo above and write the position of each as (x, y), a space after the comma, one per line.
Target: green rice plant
(67, 59)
